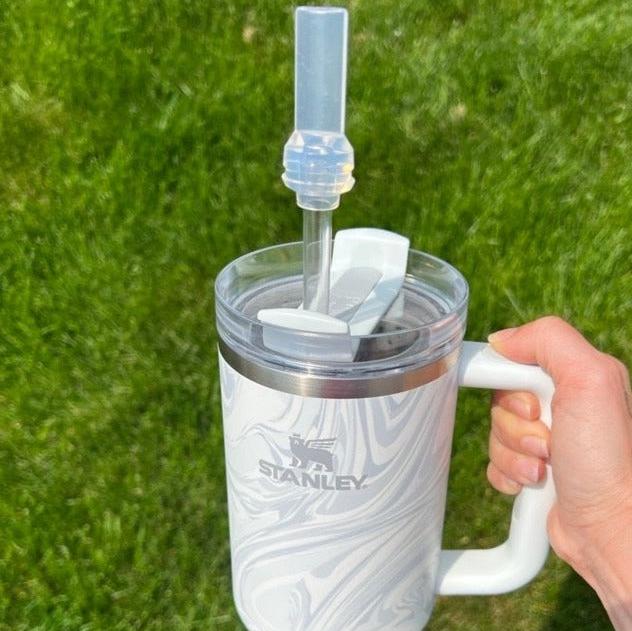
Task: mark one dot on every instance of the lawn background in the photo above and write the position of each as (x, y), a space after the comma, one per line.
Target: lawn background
(140, 149)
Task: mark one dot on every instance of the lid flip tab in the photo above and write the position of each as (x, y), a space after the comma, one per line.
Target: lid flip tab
(368, 268)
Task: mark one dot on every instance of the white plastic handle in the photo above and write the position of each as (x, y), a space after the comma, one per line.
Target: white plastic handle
(516, 561)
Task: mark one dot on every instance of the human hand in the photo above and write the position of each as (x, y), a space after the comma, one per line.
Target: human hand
(590, 444)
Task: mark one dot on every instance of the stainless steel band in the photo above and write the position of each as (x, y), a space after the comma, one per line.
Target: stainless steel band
(310, 385)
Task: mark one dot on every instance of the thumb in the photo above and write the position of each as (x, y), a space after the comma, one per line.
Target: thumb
(549, 342)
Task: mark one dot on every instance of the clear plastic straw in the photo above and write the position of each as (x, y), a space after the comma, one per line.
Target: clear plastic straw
(320, 83)
(316, 259)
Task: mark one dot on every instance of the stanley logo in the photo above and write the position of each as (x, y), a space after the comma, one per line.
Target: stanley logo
(317, 451)
(312, 466)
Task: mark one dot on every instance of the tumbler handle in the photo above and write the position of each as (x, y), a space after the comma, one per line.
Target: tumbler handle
(516, 561)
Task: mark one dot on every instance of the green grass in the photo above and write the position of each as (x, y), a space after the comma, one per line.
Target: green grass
(140, 148)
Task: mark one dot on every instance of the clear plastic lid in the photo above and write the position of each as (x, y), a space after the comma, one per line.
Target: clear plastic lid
(425, 323)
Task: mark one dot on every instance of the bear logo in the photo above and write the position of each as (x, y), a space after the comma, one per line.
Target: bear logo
(317, 451)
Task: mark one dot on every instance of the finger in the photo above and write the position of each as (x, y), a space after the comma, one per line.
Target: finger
(524, 404)
(549, 342)
(501, 482)
(516, 466)
(531, 438)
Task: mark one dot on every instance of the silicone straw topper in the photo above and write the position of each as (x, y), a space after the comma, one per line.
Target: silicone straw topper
(318, 158)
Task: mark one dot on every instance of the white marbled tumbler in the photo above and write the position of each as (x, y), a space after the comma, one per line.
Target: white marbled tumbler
(336, 505)
(337, 470)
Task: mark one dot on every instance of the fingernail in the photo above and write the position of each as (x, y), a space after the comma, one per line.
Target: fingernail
(535, 445)
(500, 336)
(529, 469)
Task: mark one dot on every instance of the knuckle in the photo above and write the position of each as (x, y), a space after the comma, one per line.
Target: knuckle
(609, 371)
(621, 368)
(493, 449)
(491, 445)
(503, 458)
(500, 416)
(504, 428)
(599, 374)
(491, 473)
(497, 415)
(501, 482)
(494, 477)
(552, 322)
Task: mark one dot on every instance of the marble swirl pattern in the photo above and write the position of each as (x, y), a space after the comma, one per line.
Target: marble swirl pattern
(312, 559)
